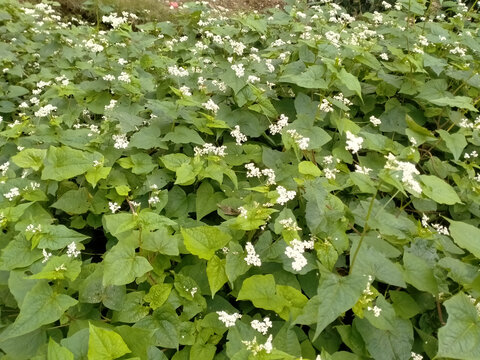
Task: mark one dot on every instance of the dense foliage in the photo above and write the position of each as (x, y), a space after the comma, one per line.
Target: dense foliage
(295, 184)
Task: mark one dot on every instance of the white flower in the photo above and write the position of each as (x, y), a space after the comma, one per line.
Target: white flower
(243, 212)
(253, 171)
(289, 224)
(124, 77)
(109, 77)
(408, 170)
(121, 141)
(153, 200)
(261, 326)
(238, 135)
(301, 141)
(45, 111)
(92, 46)
(425, 220)
(441, 229)
(284, 195)
(177, 71)
(111, 105)
(271, 177)
(228, 320)
(386, 5)
(185, 90)
(210, 105)
(416, 356)
(325, 106)
(46, 256)
(295, 251)
(4, 168)
(210, 149)
(237, 47)
(122, 61)
(354, 143)
(362, 169)
(72, 250)
(376, 310)
(375, 121)
(239, 70)
(33, 229)
(281, 123)
(114, 20)
(252, 257)
(12, 194)
(252, 79)
(114, 207)
(255, 348)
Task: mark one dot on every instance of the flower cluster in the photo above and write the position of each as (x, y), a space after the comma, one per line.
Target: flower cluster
(295, 251)
(261, 326)
(210, 149)
(281, 123)
(238, 135)
(252, 257)
(284, 195)
(227, 319)
(301, 141)
(253, 171)
(354, 143)
(408, 171)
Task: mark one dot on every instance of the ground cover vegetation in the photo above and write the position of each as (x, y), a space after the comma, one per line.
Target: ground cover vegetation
(293, 184)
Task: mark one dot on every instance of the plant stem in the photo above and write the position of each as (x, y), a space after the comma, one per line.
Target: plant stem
(364, 232)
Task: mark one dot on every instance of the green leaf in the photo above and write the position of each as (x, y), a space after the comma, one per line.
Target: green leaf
(57, 352)
(64, 163)
(122, 265)
(466, 236)
(74, 201)
(206, 200)
(56, 237)
(438, 190)
(309, 168)
(312, 78)
(350, 81)
(419, 273)
(404, 305)
(161, 241)
(174, 161)
(105, 344)
(41, 306)
(142, 163)
(30, 158)
(455, 142)
(203, 241)
(336, 295)
(460, 337)
(158, 294)
(387, 344)
(203, 351)
(216, 274)
(184, 135)
(97, 173)
(262, 292)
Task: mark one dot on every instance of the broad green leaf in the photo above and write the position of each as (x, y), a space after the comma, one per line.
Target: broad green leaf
(387, 344)
(97, 173)
(158, 294)
(122, 265)
(404, 305)
(336, 295)
(203, 241)
(138, 340)
(74, 201)
(64, 163)
(58, 352)
(438, 190)
(262, 292)
(419, 273)
(105, 344)
(56, 237)
(206, 200)
(41, 306)
(161, 241)
(174, 161)
(455, 142)
(460, 337)
(184, 135)
(142, 163)
(133, 308)
(30, 158)
(312, 78)
(202, 351)
(309, 168)
(59, 267)
(350, 81)
(216, 274)
(466, 236)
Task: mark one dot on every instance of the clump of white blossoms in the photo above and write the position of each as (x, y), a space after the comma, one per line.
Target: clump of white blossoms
(185, 90)
(177, 71)
(362, 169)
(124, 77)
(301, 141)
(325, 106)
(295, 251)
(416, 356)
(408, 171)
(14, 192)
(239, 70)
(376, 310)
(375, 121)
(121, 141)
(281, 123)
(113, 206)
(72, 250)
(227, 319)
(4, 168)
(46, 256)
(255, 348)
(238, 135)
(111, 105)
(290, 224)
(284, 195)
(253, 171)
(210, 105)
(114, 20)
(354, 143)
(262, 326)
(45, 110)
(210, 149)
(252, 257)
